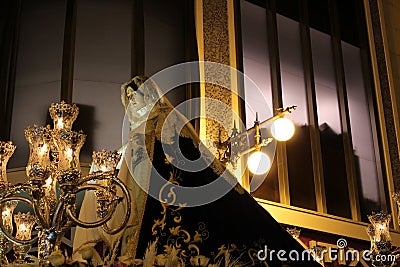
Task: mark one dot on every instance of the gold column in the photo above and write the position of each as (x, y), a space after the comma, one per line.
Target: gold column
(215, 28)
(385, 98)
(215, 42)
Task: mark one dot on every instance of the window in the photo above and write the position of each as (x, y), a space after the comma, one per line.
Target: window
(334, 149)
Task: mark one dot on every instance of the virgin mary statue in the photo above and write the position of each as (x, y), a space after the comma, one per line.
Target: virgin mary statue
(187, 209)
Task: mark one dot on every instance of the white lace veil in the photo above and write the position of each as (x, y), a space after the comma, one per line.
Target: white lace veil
(156, 105)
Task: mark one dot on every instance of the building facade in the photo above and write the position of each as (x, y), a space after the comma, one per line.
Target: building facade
(338, 61)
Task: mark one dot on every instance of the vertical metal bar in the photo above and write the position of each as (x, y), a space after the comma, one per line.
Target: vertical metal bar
(68, 60)
(191, 54)
(239, 58)
(319, 185)
(9, 50)
(240, 82)
(344, 111)
(137, 39)
(273, 49)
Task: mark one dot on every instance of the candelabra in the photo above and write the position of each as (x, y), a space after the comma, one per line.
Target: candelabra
(382, 253)
(54, 180)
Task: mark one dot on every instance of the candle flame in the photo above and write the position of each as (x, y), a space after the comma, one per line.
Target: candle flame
(43, 149)
(5, 213)
(69, 154)
(381, 227)
(103, 168)
(60, 123)
(23, 227)
(49, 181)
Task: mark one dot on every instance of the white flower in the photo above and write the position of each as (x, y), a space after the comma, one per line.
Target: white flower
(56, 258)
(87, 252)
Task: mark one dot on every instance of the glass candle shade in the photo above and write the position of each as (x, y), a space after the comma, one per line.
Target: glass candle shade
(69, 144)
(6, 151)
(24, 223)
(380, 223)
(7, 215)
(63, 115)
(39, 139)
(105, 161)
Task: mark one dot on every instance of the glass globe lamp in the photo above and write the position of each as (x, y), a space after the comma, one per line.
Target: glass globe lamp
(282, 129)
(259, 163)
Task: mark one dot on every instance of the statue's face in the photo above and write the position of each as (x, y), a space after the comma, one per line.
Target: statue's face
(136, 98)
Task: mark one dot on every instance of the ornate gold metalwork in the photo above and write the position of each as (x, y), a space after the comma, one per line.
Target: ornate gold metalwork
(6, 151)
(54, 216)
(236, 145)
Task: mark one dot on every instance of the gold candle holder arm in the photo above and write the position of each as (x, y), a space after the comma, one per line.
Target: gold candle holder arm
(128, 209)
(35, 202)
(100, 222)
(113, 204)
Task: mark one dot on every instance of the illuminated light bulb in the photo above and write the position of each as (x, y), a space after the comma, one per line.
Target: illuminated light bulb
(259, 163)
(282, 129)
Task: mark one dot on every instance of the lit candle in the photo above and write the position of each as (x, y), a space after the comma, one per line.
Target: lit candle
(69, 144)
(106, 161)
(380, 222)
(60, 124)
(104, 168)
(6, 214)
(63, 115)
(49, 181)
(43, 150)
(39, 159)
(24, 223)
(69, 154)
(22, 228)
(48, 187)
